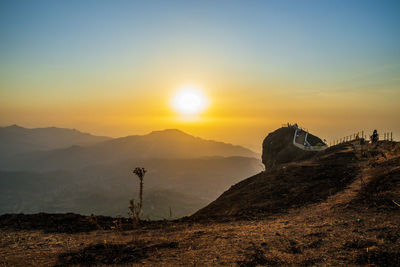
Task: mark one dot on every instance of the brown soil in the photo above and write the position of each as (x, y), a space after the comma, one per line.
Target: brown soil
(288, 185)
(356, 224)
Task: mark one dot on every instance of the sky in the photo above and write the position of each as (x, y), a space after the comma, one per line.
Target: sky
(112, 67)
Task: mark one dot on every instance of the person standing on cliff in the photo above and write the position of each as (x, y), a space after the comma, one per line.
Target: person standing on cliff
(374, 136)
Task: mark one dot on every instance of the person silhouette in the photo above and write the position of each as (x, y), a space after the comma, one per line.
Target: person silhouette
(374, 136)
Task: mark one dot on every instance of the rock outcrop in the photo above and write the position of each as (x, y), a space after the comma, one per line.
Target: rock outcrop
(278, 147)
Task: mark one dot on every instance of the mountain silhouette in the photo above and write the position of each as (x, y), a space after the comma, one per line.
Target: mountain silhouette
(165, 144)
(184, 173)
(15, 139)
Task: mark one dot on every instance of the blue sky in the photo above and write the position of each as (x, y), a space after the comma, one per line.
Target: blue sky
(317, 38)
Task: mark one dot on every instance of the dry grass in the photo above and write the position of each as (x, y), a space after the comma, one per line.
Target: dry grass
(335, 238)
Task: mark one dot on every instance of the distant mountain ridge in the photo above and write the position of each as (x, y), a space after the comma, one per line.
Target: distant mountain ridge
(173, 143)
(184, 172)
(15, 139)
(169, 144)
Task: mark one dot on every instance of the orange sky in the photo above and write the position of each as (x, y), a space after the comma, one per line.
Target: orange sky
(233, 115)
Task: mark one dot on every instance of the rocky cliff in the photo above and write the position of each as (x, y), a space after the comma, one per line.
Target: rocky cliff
(278, 147)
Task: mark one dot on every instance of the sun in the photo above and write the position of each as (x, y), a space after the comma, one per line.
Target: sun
(189, 101)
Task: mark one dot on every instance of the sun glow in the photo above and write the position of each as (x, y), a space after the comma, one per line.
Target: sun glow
(189, 101)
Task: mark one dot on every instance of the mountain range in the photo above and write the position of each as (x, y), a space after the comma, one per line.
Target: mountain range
(88, 174)
(15, 139)
(165, 144)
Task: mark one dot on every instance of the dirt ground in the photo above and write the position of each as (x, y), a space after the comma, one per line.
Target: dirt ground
(359, 225)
